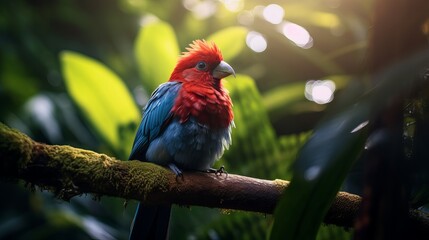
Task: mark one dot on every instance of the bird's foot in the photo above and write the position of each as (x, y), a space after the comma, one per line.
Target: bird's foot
(176, 170)
(218, 172)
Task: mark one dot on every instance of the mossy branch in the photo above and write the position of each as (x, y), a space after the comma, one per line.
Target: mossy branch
(68, 171)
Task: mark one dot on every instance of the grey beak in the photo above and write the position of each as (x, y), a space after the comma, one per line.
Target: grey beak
(223, 70)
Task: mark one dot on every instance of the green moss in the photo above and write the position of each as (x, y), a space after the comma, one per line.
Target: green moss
(90, 167)
(69, 171)
(151, 177)
(15, 150)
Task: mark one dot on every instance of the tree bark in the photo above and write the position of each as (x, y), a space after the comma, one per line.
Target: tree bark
(68, 172)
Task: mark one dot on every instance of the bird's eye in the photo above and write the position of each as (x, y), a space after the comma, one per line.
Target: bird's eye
(201, 66)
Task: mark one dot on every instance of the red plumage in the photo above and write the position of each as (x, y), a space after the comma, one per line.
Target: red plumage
(201, 95)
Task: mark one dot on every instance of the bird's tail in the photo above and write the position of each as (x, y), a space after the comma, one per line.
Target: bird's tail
(150, 222)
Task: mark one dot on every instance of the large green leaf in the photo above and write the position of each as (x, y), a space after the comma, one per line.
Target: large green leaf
(156, 52)
(103, 98)
(318, 173)
(231, 41)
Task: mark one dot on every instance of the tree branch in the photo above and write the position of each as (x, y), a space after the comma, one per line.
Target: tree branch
(68, 171)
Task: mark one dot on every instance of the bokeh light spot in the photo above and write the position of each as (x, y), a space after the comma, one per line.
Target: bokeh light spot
(201, 9)
(273, 13)
(297, 34)
(320, 91)
(234, 5)
(256, 41)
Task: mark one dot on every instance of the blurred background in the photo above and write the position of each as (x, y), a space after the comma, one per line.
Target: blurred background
(79, 73)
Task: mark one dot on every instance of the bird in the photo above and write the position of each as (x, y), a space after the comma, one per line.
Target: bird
(186, 125)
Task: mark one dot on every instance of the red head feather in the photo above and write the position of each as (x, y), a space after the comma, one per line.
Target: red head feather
(198, 50)
(202, 95)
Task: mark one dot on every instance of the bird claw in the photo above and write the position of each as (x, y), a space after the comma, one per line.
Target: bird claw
(218, 172)
(176, 171)
(179, 175)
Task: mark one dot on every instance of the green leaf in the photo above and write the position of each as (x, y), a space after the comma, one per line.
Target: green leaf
(103, 98)
(156, 51)
(231, 41)
(319, 171)
(329, 232)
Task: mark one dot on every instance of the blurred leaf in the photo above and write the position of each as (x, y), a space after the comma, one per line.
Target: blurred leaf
(156, 51)
(329, 232)
(290, 99)
(15, 80)
(354, 47)
(231, 41)
(282, 96)
(318, 174)
(103, 98)
(301, 12)
(327, 157)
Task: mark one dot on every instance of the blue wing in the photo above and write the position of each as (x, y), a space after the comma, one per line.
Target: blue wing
(151, 222)
(156, 115)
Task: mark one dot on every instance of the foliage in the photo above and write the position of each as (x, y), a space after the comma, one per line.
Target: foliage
(162, 53)
(103, 98)
(77, 73)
